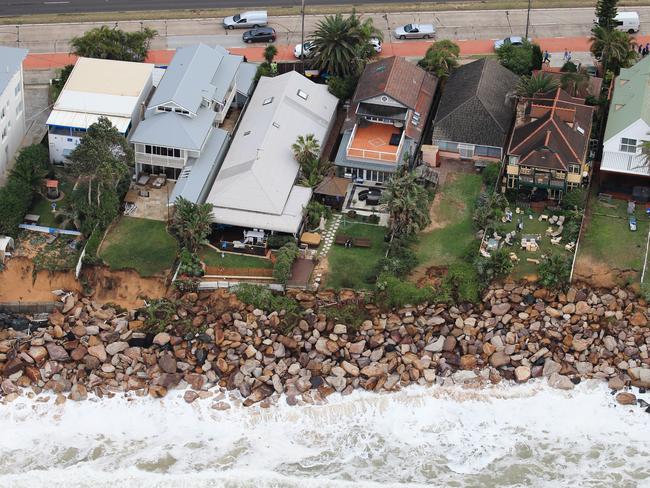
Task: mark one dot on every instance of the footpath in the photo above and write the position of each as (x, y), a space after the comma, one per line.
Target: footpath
(285, 52)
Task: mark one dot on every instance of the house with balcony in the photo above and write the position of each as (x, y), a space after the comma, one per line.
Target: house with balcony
(255, 189)
(548, 150)
(12, 105)
(628, 126)
(386, 119)
(476, 111)
(181, 136)
(117, 90)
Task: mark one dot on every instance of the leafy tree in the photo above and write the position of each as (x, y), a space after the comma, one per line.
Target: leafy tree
(441, 58)
(342, 87)
(338, 44)
(537, 57)
(59, 83)
(489, 210)
(574, 199)
(270, 52)
(613, 48)
(191, 223)
(112, 43)
(266, 69)
(518, 59)
(575, 82)
(554, 271)
(89, 215)
(401, 259)
(315, 210)
(497, 266)
(15, 199)
(490, 175)
(605, 13)
(569, 67)
(102, 159)
(31, 166)
(540, 82)
(407, 203)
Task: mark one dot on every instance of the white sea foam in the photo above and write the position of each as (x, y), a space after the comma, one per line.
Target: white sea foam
(528, 436)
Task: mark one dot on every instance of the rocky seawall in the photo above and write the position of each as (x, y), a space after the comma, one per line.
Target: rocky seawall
(213, 342)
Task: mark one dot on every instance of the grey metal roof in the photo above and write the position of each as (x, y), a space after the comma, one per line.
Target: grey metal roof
(196, 72)
(196, 178)
(11, 58)
(170, 129)
(246, 78)
(259, 171)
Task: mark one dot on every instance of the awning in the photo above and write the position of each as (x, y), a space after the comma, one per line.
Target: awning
(79, 120)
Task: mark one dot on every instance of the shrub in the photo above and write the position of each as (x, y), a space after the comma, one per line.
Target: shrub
(15, 198)
(490, 175)
(261, 297)
(400, 262)
(190, 264)
(574, 199)
(187, 285)
(350, 314)
(518, 59)
(284, 262)
(92, 246)
(276, 241)
(537, 57)
(569, 67)
(342, 87)
(314, 211)
(462, 283)
(554, 271)
(489, 209)
(393, 292)
(497, 266)
(373, 219)
(352, 215)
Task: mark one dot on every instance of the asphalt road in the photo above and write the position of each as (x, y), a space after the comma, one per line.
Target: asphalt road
(26, 7)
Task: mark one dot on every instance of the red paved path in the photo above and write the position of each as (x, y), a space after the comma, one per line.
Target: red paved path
(285, 53)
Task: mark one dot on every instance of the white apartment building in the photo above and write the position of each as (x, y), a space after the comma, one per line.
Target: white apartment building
(12, 105)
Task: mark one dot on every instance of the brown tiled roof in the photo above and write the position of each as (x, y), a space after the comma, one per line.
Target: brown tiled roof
(550, 137)
(402, 81)
(333, 186)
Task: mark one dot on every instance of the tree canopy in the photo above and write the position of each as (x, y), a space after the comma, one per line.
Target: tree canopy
(191, 223)
(441, 58)
(407, 203)
(614, 48)
(529, 85)
(521, 60)
(113, 43)
(605, 13)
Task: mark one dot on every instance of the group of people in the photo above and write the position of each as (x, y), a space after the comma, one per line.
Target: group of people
(547, 56)
(644, 50)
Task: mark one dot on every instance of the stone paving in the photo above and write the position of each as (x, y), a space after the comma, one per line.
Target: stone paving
(328, 239)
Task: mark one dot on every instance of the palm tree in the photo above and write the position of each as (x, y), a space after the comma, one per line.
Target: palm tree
(575, 82)
(615, 49)
(407, 204)
(270, 52)
(528, 86)
(305, 149)
(191, 223)
(644, 146)
(338, 42)
(441, 58)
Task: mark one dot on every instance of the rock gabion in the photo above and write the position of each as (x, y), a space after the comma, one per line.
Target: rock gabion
(517, 333)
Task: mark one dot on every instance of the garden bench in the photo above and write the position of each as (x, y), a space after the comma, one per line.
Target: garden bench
(341, 239)
(361, 242)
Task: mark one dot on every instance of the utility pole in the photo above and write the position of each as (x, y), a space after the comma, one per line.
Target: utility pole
(527, 19)
(302, 36)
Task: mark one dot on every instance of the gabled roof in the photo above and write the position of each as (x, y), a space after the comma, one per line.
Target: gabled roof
(631, 98)
(477, 106)
(11, 58)
(169, 129)
(259, 171)
(197, 72)
(554, 133)
(402, 81)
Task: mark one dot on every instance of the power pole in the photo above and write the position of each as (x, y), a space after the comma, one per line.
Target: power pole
(527, 19)
(302, 36)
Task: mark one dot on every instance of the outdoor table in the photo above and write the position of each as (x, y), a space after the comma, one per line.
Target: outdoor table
(32, 218)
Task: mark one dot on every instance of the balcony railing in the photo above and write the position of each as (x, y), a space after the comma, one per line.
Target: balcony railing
(154, 159)
(372, 154)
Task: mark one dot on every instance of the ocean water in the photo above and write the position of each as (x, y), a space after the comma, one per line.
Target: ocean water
(504, 436)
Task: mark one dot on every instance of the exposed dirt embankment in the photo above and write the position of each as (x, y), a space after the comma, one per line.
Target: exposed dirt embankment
(125, 288)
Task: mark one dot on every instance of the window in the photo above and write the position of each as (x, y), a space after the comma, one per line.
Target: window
(181, 111)
(276, 125)
(4, 133)
(267, 101)
(2, 114)
(511, 181)
(17, 89)
(164, 109)
(628, 145)
(162, 151)
(571, 186)
(302, 94)
(19, 108)
(574, 168)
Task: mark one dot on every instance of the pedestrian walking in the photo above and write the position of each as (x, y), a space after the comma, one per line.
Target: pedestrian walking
(566, 54)
(568, 57)
(640, 49)
(547, 57)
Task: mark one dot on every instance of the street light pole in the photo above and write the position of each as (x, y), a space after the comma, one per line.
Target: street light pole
(302, 36)
(527, 19)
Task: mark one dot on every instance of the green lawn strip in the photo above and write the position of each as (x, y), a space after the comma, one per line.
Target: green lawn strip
(353, 267)
(608, 239)
(141, 244)
(443, 246)
(43, 207)
(216, 259)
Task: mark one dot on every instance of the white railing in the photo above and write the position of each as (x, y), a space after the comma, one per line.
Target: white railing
(221, 115)
(372, 154)
(624, 163)
(156, 160)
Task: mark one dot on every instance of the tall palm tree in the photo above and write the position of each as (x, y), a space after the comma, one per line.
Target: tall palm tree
(305, 149)
(644, 146)
(539, 82)
(191, 223)
(338, 43)
(441, 58)
(615, 49)
(407, 204)
(575, 82)
(270, 52)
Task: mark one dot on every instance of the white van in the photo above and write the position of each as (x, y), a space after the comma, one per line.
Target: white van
(246, 20)
(627, 22)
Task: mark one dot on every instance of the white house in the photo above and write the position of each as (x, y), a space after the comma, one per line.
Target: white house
(628, 122)
(12, 105)
(256, 185)
(117, 90)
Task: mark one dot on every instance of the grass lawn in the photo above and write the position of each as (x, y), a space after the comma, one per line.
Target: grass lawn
(213, 258)
(43, 207)
(444, 245)
(607, 238)
(141, 244)
(353, 267)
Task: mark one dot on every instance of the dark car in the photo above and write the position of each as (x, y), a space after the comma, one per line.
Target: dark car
(260, 34)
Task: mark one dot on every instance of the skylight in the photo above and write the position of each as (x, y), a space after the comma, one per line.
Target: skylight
(302, 94)
(267, 101)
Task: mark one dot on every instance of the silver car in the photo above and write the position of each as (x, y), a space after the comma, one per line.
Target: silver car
(415, 31)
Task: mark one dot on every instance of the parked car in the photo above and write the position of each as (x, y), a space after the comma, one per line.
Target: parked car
(632, 223)
(261, 34)
(512, 41)
(301, 49)
(376, 44)
(415, 31)
(246, 20)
